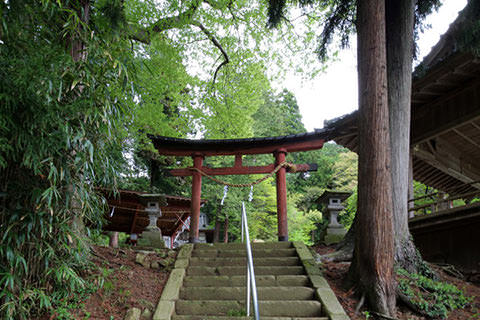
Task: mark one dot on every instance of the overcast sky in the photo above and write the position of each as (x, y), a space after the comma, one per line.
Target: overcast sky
(334, 93)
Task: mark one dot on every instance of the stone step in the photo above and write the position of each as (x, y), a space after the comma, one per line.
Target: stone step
(261, 253)
(238, 281)
(220, 262)
(242, 246)
(239, 293)
(242, 270)
(267, 308)
(190, 317)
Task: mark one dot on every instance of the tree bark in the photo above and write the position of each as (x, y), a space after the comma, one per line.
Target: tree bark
(373, 259)
(77, 46)
(399, 34)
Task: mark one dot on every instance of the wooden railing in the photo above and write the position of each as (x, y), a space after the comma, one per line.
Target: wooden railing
(440, 201)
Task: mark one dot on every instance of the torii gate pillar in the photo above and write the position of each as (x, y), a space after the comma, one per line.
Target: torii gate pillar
(196, 201)
(281, 196)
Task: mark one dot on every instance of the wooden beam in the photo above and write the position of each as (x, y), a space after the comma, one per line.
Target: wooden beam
(441, 70)
(471, 141)
(176, 208)
(240, 170)
(432, 120)
(475, 125)
(451, 166)
(134, 220)
(447, 130)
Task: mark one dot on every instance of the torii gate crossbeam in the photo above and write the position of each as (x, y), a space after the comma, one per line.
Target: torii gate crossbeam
(278, 146)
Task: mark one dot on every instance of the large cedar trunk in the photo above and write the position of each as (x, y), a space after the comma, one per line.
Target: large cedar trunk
(373, 258)
(400, 23)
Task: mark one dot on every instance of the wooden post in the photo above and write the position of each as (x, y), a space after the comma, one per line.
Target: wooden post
(216, 232)
(225, 230)
(113, 243)
(411, 195)
(196, 194)
(281, 196)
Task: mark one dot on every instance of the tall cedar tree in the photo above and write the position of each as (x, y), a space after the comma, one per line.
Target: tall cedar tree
(399, 19)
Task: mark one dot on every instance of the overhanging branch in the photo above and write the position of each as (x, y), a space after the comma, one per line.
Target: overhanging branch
(176, 22)
(183, 19)
(217, 44)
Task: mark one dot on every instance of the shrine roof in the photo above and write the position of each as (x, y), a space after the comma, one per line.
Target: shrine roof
(213, 147)
(126, 212)
(137, 196)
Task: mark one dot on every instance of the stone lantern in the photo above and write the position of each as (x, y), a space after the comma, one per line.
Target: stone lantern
(152, 236)
(333, 202)
(154, 212)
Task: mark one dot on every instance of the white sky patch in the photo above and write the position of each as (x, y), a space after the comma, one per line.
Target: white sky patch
(334, 93)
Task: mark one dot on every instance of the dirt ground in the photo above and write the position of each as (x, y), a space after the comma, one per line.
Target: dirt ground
(336, 272)
(127, 284)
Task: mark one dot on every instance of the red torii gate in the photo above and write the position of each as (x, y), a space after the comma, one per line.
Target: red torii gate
(278, 146)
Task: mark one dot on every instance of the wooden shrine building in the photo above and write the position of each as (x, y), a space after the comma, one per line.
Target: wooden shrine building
(278, 146)
(127, 212)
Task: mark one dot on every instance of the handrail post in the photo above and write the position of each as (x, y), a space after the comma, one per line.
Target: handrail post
(250, 270)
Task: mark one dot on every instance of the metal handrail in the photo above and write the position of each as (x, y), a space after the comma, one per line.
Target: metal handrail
(250, 272)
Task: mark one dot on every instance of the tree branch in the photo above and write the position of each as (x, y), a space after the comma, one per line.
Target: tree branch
(217, 44)
(183, 19)
(176, 22)
(218, 4)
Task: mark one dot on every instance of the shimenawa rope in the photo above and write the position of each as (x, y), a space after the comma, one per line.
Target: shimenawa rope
(243, 185)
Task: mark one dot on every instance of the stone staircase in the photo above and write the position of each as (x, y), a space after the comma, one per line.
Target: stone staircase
(208, 282)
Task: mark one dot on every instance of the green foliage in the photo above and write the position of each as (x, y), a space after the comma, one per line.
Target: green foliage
(236, 313)
(78, 94)
(337, 171)
(347, 216)
(162, 91)
(59, 116)
(228, 113)
(263, 212)
(367, 314)
(279, 115)
(307, 200)
(64, 306)
(339, 20)
(300, 224)
(435, 298)
(345, 168)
